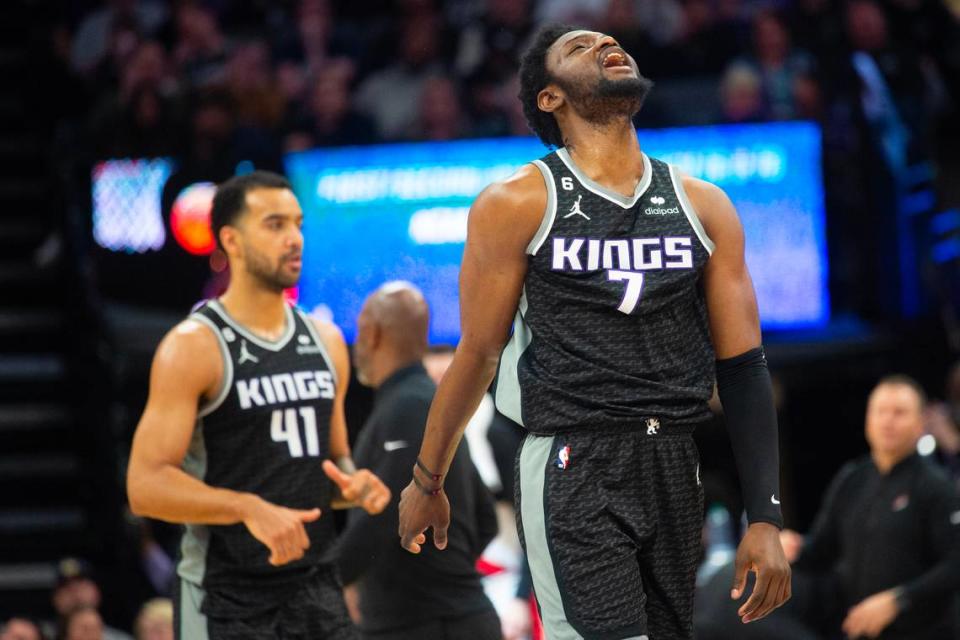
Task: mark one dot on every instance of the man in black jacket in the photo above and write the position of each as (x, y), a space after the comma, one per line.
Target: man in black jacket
(888, 532)
(438, 595)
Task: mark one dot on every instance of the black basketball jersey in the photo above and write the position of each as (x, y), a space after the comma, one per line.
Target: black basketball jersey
(267, 432)
(611, 330)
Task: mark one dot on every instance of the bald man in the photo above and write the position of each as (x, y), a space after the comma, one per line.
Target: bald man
(401, 596)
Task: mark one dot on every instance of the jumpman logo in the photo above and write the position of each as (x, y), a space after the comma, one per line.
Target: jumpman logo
(575, 209)
(245, 355)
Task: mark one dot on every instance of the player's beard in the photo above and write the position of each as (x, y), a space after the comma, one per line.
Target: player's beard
(271, 277)
(605, 100)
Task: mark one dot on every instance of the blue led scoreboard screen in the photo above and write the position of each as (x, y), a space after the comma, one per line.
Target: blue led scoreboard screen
(399, 211)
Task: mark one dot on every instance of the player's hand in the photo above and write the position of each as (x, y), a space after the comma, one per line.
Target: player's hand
(874, 614)
(760, 552)
(279, 528)
(360, 488)
(419, 512)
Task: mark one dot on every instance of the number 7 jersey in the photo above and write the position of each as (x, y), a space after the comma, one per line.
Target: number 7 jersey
(266, 432)
(611, 329)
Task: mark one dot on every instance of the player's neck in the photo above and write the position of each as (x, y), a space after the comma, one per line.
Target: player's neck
(609, 154)
(259, 310)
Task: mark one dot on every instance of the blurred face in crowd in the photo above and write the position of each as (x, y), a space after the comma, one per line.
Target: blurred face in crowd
(74, 594)
(20, 629)
(419, 44)
(770, 38)
(440, 109)
(155, 628)
(266, 238)
(600, 80)
(894, 421)
(85, 624)
(866, 25)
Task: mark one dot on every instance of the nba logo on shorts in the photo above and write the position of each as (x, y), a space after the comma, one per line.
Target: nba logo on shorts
(563, 457)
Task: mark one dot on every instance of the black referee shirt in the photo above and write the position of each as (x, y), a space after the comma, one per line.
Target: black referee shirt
(397, 588)
(900, 530)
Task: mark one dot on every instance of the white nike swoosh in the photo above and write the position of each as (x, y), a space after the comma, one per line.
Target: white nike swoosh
(773, 498)
(393, 445)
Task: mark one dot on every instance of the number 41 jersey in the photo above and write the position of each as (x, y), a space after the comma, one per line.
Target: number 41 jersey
(611, 331)
(267, 433)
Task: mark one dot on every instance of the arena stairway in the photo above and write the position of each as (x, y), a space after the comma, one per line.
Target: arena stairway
(53, 473)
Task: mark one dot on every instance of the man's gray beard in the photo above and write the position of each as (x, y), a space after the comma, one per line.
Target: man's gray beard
(609, 99)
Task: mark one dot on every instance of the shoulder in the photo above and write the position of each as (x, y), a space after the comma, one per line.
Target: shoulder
(935, 481)
(850, 472)
(712, 204)
(189, 340)
(520, 199)
(330, 333)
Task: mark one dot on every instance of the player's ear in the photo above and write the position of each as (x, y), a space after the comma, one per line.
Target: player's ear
(229, 240)
(550, 98)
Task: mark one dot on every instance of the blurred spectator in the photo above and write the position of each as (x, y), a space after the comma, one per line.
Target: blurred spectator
(943, 423)
(330, 119)
(77, 591)
(83, 623)
(886, 534)
(493, 42)
(155, 621)
(139, 118)
(200, 51)
(575, 12)
(779, 66)
(705, 44)
(441, 116)
(20, 629)
(391, 96)
(250, 80)
(97, 31)
(741, 95)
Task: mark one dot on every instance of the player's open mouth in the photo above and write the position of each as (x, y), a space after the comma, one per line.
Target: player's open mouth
(614, 59)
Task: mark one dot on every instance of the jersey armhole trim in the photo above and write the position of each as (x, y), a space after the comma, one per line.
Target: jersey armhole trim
(690, 211)
(319, 342)
(549, 214)
(209, 407)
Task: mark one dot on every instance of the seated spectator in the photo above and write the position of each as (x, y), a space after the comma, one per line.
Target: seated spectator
(20, 629)
(83, 623)
(741, 95)
(887, 533)
(76, 591)
(155, 621)
(436, 594)
(441, 116)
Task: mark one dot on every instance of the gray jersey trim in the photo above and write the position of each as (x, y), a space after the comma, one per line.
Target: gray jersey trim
(600, 190)
(192, 621)
(275, 345)
(196, 537)
(508, 396)
(319, 342)
(549, 214)
(690, 211)
(213, 405)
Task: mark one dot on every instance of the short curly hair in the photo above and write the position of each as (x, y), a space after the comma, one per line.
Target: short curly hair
(534, 76)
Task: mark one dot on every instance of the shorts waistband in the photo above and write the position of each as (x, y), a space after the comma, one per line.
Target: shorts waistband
(652, 427)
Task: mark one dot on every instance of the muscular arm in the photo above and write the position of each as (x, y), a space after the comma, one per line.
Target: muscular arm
(337, 348)
(186, 368)
(502, 222)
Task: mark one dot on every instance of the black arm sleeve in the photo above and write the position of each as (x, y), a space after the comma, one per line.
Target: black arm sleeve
(747, 398)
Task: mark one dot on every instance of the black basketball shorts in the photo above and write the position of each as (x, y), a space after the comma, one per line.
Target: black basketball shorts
(611, 524)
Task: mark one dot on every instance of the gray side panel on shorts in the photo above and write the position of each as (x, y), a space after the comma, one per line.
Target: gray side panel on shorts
(533, 464)
(535, 453)
(192, 622)
(507, 397)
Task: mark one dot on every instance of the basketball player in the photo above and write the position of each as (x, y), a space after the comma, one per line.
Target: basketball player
(242, 434)
(625, 281)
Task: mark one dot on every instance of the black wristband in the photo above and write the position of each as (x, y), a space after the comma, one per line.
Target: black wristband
(746, 393)
(424, 489)
(436, 477)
